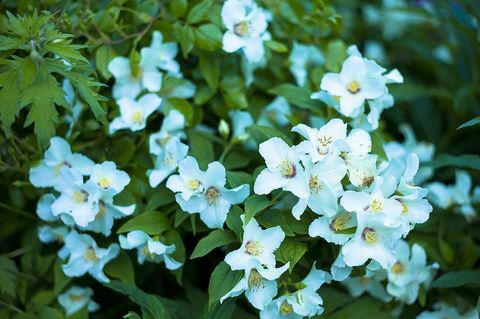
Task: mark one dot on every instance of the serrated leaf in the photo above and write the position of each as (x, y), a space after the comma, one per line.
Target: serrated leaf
(215, 239)
(66, 51)
(223, 279)
(255, 204)
(8, 276)
(152, 223)
(290, 251)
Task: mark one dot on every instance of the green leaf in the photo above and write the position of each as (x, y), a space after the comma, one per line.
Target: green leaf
(103, 56)
(150, 304)
(211, 70)
(67, 51)
(336, 54)
(208, 37)
(234, 222)
(49, 313)
(181, 105)
(377, 145)
(472, 122)
(276, 46)
(10, 96)
(201, 148)
(152, 223)
(199, 12)
(223, 279)
(215, 239)
(8, 276)
(186, 39)
(255, 204)
(161, 197)
(462, 161)
(132, 315)
(178, 7)
(121, 268)
(290, 251)
(458, 278)
(362, 308)
(260, 133)
(235, 99)
(297, 96)
(236, 179)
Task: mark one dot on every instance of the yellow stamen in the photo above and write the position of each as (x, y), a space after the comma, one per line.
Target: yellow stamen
(286, 308)
(398, 268)
(90, 255)
(254, 279)
(254, 248)
(104, 182)
(74, 297)
(242, 29)
(314, 184)
(353, 87)
(404, 207)
(286, 168)
(79, 196)
(137, 116)
(376, 206)
(193, 184)
(370, 236)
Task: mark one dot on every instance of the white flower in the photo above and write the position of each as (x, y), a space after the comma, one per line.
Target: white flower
(301, 57)
(109, 178)
(75, 298)
(330, 227)
(324, 182)
(161, 55)
(172, 127)
(149, 249)
(134, 114)
(241, 121)
(258, 284)
(44, 208)
(373, 240)
(329, 139)
(283, 169)
(58, 156)
(370, 283)
(257, 247)
(409, 271)
(48, 234)
(339, 270)
(275, 113)
(246, 25)
(205, 192)
(305, 302)
(167, 161)
(353, 85)
(86, 256)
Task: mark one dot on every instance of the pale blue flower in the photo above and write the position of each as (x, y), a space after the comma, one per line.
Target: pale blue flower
(76, 298)
(246, 25)
(301, 58)
(87, 257)
(275, 113)
(330, 227)
(48, 234)
(109, 178)
(44, 208)
(370, 283)
(149, 249)
(167, 161)
(134, 114)
(205, 192)
(59, 156)
(160, 55)
(241, 121)
(305, 302)
(339, 270)
(172, 127)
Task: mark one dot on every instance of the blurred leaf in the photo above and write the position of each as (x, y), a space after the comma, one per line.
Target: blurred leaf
(152, 223)
(8, 276)
(460, 161)
(260, 133)
(199, 11)
(208, 37)
(215, 239)
(458, 278)
(472, 122)
(121, 268)
(297, 96)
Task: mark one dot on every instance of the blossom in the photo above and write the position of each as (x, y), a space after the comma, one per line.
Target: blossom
(149, 249)
(409, 271)
(241, 121)
(58, 155)
(205, 192)
(134, 114)
(75, 298)
(370, 282)
(283, 169)
(372, 239)
(172, 127)
(109, 178)
(87, 257)
(246, 25)
(275, 113)
(330, 227)
(305, 302)
(324, 182)
(167, 162)
(161, 55)
(255, 256)
(44, 208)
(353, 85)
(301, 57)
(257, 247)
(48, 234)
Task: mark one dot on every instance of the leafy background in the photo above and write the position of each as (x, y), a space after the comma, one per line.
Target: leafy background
(436, 99)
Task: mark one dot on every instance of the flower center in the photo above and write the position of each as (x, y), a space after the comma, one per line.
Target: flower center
(369, 236)
(242, 29)
(104, 182)
(338, 223)
(376, 206)
(168, 160)
(145, 252)
(285, 308)
(287, 168)
(75, 298)
(353, 87)
(398, 268)
(102, 209)
(60, 165)
(314, 184)
(367, 181)
(80, 197)
(404, 207)
(254, 279)
(212, 195)
(90, 255)
(193, 184)
(137, 117)
(162, 141)
(254, 248)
